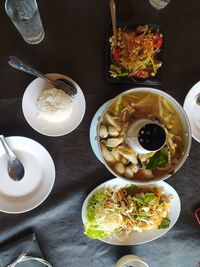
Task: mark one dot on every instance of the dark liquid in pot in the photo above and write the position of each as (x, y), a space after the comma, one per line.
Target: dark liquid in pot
(152, 136)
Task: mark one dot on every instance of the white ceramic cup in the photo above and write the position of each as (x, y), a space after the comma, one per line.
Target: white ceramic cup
(131, 261)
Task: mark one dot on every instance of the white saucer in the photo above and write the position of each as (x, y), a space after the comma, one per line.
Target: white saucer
(93, 130)
(37, 183)
(193, 110)
(43, 126)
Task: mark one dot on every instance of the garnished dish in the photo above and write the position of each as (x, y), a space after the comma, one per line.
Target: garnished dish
(134, 54)
(54, 105)
(119, 212)
(117, 150)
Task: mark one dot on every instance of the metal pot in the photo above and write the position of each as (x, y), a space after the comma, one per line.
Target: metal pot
(185, 123)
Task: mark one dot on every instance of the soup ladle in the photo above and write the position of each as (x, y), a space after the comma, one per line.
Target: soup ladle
(59, 83)
(14, 166)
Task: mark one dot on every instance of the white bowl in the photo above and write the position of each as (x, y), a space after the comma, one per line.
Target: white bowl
(43, 126)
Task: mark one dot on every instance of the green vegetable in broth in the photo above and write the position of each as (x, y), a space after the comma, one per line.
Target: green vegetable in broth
(159, 159)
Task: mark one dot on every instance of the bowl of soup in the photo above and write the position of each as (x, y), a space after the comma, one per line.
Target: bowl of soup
(143, 135)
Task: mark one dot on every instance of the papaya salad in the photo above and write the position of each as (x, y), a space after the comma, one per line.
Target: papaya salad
(116, 212)
(134, 53)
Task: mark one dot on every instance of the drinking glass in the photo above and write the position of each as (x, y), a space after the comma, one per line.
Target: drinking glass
(131, 261)
(25, 15)
(159, 4)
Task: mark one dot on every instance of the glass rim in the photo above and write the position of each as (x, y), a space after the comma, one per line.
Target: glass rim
(6, 5)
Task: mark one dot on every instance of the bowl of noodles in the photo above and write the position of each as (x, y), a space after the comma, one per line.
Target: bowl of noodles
(117, 133)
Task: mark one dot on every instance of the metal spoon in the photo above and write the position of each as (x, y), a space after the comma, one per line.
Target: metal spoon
(15, 167)
(60, 83)
(113, 19)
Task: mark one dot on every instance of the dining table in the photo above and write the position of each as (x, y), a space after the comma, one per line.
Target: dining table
(76, 33)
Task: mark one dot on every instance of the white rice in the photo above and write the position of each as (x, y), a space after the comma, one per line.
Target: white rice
(54, 105)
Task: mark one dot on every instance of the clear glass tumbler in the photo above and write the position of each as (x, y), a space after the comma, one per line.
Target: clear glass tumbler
(26, 17)
(159, 4)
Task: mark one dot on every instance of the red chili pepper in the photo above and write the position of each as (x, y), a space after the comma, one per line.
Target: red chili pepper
(142, 74)
(115, 54)
(157, 40)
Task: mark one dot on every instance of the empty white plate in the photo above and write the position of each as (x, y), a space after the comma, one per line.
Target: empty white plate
(38, 180)
(193, 110)
(136, 238)
(46, 127)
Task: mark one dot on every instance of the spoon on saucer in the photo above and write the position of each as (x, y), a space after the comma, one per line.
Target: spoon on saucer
(15, 167)
(60, 83)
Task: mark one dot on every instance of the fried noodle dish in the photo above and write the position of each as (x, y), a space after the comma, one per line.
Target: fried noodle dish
(134, 53)
(116, 212)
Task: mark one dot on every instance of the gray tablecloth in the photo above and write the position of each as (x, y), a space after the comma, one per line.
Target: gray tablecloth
(74, 44)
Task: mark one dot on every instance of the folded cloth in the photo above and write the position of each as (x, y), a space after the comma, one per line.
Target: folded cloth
(11, 252)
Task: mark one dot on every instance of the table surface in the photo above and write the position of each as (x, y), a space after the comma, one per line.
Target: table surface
(74, 45)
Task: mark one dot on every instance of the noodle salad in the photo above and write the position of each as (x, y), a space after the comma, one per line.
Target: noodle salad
(134, 53)
(116, 212)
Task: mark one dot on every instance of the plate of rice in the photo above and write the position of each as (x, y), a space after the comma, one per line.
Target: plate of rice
(51, 111)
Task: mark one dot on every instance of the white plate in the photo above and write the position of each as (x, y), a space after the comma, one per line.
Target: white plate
(43, 126)
(38, 180)
(193, 110)
(93, 130)
(136, 238)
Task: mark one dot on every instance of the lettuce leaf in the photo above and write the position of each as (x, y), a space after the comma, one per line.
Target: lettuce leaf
(93, 233)
(164, 224)
(90, 210)
(149, 197)
(91, 228)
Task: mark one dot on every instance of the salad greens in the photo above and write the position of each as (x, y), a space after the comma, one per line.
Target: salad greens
(164, 224)
(115, 212)
(91, 228)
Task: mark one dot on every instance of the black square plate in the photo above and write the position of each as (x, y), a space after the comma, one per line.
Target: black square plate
(157, 79)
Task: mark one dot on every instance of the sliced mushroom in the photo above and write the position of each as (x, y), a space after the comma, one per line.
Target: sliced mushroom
(116, 154)
(134, 168)
(128, 153)
(119, 168)
(113, 142)
(113, 131)
(103, 131)
(108, 156)
(145, 173)
(113, 121)
(124, 161)
(128, 172)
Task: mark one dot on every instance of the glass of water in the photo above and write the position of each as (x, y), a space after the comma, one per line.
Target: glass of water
(26, 17)
(159, 4)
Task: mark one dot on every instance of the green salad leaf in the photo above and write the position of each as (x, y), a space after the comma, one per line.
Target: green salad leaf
(159, 159)
(164, 224)
(149, 197)
(91, 229)
(130, 190)
(94, 233)
(90, 211)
